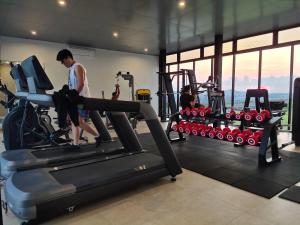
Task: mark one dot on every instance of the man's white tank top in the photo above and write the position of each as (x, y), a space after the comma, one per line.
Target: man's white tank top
(85, 92)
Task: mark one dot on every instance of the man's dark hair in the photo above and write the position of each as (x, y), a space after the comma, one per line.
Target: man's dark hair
(186, 88)
(63, 54)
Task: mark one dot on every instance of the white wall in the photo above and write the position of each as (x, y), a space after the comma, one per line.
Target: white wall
(101, 67)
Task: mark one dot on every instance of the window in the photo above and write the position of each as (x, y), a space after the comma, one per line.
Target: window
(246, 76)
(188, 66)
(171, 58)
(173, 68)
(255, 42)
(275, 74)
(203, 71)
(289, 35)
(193, 54)
(209, 51)
(227, 78)
(227, 47)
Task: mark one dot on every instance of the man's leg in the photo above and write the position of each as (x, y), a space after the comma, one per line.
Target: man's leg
(76, 133)
(85, 126)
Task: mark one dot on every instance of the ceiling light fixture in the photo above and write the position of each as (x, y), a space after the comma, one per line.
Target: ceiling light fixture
(145, 49)
(115, 34)
(33, 32)
(62, 2)
(181, 4)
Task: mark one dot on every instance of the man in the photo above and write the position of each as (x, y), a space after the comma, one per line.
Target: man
(78, 81)
(186, 98)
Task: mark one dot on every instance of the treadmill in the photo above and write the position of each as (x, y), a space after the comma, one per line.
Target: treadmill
(40, 87)
(16, 160)
(38, 194)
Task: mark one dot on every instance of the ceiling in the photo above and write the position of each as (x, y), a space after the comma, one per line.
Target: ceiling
(152, 24)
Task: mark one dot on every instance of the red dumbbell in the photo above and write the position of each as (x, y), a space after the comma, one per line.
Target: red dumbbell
(205, 111)
(223, 134)
(255, 138)
(231, 136)
(263, 115)
(240, 115)
(174, 127)
(195, 112)
(249, 116)
(230, 115)
(213, 133)
(205, 131)
(197, 129)
(182, 112)
(189, 127)
(242, 137)
(187, 111)
(181, 126)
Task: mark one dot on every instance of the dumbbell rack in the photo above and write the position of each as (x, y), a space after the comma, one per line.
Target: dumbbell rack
(268, 127)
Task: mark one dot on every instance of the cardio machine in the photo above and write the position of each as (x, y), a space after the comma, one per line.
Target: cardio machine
(26, 125)
(40, 193)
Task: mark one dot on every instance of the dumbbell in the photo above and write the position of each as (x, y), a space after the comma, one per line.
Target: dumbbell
(230, 115)
(205, 131)
(240, 115)
(242, 137)
(263, 115)
(213, 133)
(197, 129)
(249, 116)
(231, 136)
(187, 111)
(223, 133)
(195, 111)
(189, 127)
(255, 138)
(181, 126)
(174, 127)
(204, 111)
(182, 112)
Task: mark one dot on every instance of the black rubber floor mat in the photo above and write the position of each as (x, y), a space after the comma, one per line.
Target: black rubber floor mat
(292, 194)
(225, 175)
(237, 166)
(259, 186)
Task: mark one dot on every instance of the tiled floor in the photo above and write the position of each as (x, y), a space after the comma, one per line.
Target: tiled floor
(192, 200)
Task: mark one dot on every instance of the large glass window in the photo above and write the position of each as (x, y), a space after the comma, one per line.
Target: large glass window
(227, 78)
(188, 66)
(246, 76)
(193, 54)
(203, 71)
(289, 35)
(227, 47)
(209, 51)
(275, 74)
(255, 42)
(171, 58)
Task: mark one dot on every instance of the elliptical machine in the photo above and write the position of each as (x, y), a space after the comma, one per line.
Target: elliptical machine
(28, 126)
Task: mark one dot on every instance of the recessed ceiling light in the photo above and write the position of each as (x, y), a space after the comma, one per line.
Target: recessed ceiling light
(33, 32)
(115, 34)
(62, 2)
(181, 4)
(145, 49)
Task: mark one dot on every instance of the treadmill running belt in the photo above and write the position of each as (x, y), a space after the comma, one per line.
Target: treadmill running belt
(84, 149)
(102, 172)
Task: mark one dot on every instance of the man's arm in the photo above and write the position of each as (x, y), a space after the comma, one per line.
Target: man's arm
(80, 77)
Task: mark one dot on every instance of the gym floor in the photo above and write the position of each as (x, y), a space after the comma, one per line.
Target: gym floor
(192, 199)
